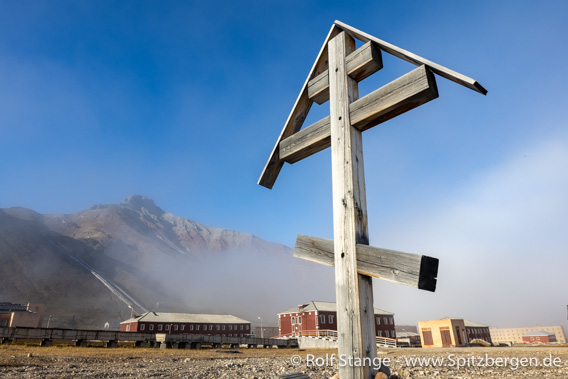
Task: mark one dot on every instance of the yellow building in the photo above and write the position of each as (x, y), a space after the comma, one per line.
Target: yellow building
(447, 332)
(515, 335)
(452, 332)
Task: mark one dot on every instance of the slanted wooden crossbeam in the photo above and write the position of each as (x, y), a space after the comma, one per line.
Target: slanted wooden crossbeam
(334, 77)
(414, 270)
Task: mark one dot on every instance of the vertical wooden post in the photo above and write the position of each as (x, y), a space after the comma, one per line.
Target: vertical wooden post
(354, 292)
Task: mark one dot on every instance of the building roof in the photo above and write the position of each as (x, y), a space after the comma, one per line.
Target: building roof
(474, 324)
(325, 306)
(406, 334)
(467, 323)
(539, 333)
(12, 307)
(187, 318)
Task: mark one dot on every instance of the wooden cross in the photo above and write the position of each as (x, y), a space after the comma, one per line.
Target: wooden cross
(335, 77)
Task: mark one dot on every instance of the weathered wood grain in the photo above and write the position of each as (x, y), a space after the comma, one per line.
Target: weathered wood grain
(303, 103)
(444, 72)
(297, 116)
(354, 292)
(399, 96)
(361, 64)
(308, 141)
(414, 270)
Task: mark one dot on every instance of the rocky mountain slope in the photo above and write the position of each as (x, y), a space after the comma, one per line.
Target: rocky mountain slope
(101, 264)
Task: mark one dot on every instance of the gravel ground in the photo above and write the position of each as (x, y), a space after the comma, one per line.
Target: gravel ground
(20, 361)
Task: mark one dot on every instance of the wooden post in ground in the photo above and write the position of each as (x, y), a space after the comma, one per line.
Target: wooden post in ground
(354, 292)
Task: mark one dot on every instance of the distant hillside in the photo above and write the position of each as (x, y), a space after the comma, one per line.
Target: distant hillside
(34, 267)
(90, 266)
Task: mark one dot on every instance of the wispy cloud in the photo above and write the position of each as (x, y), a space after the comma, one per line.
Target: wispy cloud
(501, 240)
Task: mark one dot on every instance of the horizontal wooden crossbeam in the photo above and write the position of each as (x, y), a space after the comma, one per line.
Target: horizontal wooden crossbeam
(361, 63)
(414, 270)
(399, 96)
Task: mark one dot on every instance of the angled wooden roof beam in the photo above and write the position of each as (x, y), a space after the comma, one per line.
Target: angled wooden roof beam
(444, 72)
(297, 115)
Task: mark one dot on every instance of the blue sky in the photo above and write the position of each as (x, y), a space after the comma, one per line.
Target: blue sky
(183, 102)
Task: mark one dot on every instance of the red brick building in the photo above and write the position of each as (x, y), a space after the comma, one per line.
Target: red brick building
(540, 336)
(184, 323)
(318, 317)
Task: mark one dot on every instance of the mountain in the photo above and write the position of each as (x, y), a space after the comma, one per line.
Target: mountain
(100, 264)
(143, 228)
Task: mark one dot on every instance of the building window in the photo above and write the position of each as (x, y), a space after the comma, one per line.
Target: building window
(142, 327)
(299, 319)
(183, 327)
(459, 335)
(196, 327)
(380, 333)
(160, 327)
(230, 327)
(378, 320)
(386, 320)
(236, 328)
(127, 327)
(176, 326)
(330, 319)
(151, 326)
(391, 320)
(427, 336)
(223, 327)
(218, 327)
(167, 327)
(293, 320)
(241, 335)
(322, 319)
(210, 327)
(241, 327)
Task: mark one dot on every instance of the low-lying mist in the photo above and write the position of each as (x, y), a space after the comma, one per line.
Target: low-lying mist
(246, 284)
